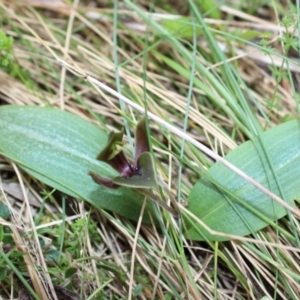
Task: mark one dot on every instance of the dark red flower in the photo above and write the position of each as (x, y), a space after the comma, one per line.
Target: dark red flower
(140, 174)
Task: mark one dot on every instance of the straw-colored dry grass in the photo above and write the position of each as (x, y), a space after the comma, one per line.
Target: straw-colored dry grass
(113, 258)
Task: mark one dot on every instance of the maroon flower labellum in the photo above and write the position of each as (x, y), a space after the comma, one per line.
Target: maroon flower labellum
(140, 174)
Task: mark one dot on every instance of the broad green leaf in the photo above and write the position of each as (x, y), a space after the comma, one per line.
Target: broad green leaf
(235, 206)
(60, 149)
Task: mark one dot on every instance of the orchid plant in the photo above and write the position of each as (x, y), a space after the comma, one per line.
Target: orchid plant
(140, 175)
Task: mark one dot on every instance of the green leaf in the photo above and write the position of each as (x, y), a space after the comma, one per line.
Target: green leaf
(60, 149)
(247, 35)
(181, 27)
(209, 7)
(70, 272)
(137, 290)
(3, 274)
(232, 205)
(4, 211)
